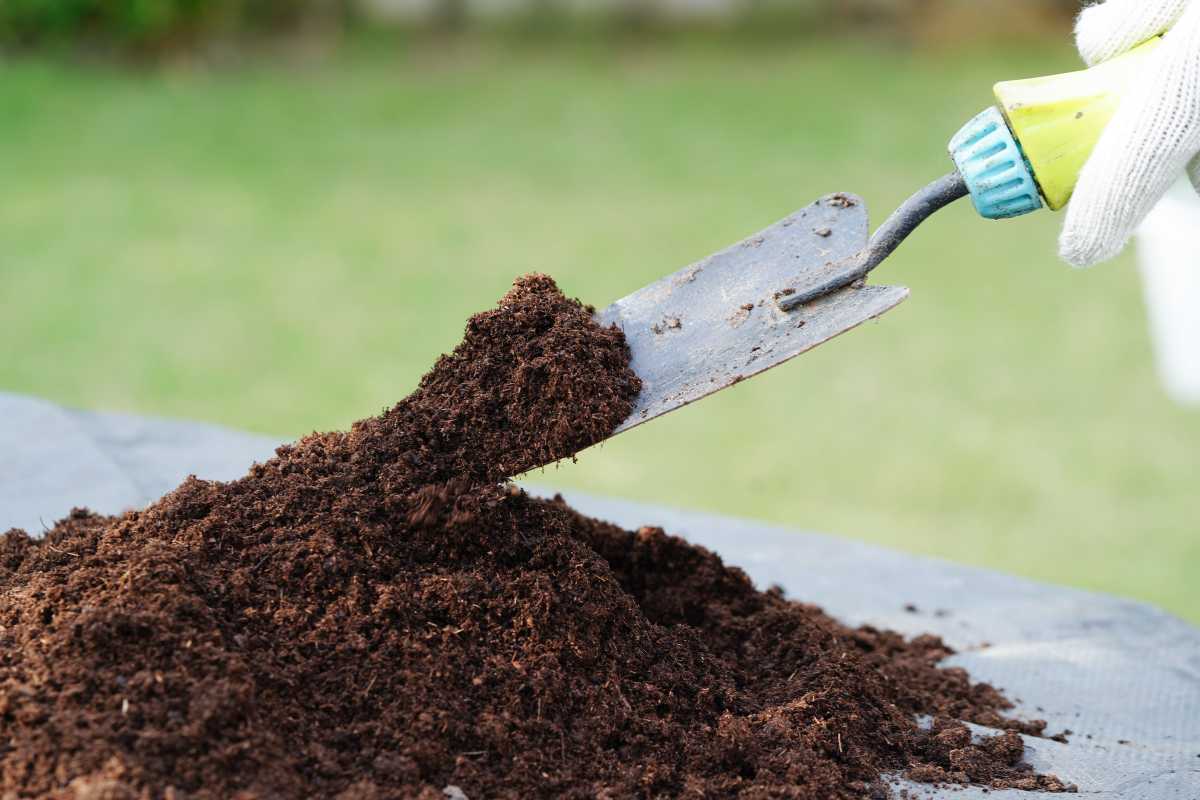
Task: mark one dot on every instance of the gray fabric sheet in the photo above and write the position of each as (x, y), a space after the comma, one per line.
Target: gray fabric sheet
(1123, 676)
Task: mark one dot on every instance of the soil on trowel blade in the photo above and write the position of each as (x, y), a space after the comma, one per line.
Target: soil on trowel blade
(378, 614)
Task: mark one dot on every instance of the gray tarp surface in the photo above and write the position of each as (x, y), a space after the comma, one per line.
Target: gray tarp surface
(1123, 676)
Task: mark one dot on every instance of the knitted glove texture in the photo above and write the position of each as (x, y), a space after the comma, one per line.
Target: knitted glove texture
(1154, 137)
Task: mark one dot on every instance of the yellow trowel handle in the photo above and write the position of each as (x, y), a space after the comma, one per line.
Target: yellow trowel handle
(1058, 120)
(1040, 135)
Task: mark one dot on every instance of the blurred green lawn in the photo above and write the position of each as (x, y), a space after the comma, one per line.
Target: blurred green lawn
(286, 247)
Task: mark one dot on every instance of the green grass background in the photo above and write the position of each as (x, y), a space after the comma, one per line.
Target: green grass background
(287, 246)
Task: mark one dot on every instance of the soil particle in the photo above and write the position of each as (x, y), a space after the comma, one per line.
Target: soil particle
(668, 324)
(689, 276)
(378, 614)
(824, 233)
(742, 314)
(840, 200)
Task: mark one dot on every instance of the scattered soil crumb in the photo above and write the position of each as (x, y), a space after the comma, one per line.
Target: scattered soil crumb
(824, 233)
(378, 614)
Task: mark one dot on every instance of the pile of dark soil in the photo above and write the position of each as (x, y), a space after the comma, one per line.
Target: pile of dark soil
(377, 614)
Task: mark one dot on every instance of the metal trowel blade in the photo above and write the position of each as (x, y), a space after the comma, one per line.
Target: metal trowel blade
(717, 322)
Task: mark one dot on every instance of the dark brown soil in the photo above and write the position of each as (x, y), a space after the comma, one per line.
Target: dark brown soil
(377, 614)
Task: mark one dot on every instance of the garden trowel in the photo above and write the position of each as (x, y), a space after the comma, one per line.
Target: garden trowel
(801, 282)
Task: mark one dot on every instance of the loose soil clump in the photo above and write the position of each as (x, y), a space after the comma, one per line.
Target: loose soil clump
(379, 614)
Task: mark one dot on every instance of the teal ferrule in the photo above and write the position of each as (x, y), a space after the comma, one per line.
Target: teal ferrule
(995, 170)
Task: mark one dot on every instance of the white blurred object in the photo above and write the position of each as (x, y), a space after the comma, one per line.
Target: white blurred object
(1169, 256)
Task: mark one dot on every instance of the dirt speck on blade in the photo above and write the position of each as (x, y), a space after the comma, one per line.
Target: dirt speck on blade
(739, 316)
(378, 614)
(840, 200)
(667, 324)
(689, 276)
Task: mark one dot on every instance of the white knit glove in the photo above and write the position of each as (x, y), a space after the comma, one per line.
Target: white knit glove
(1155, 135)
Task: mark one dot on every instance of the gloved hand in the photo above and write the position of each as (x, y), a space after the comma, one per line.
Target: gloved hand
(1155, 135)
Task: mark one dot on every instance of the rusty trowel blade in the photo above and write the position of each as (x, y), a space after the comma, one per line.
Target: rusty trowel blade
(717, 322)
